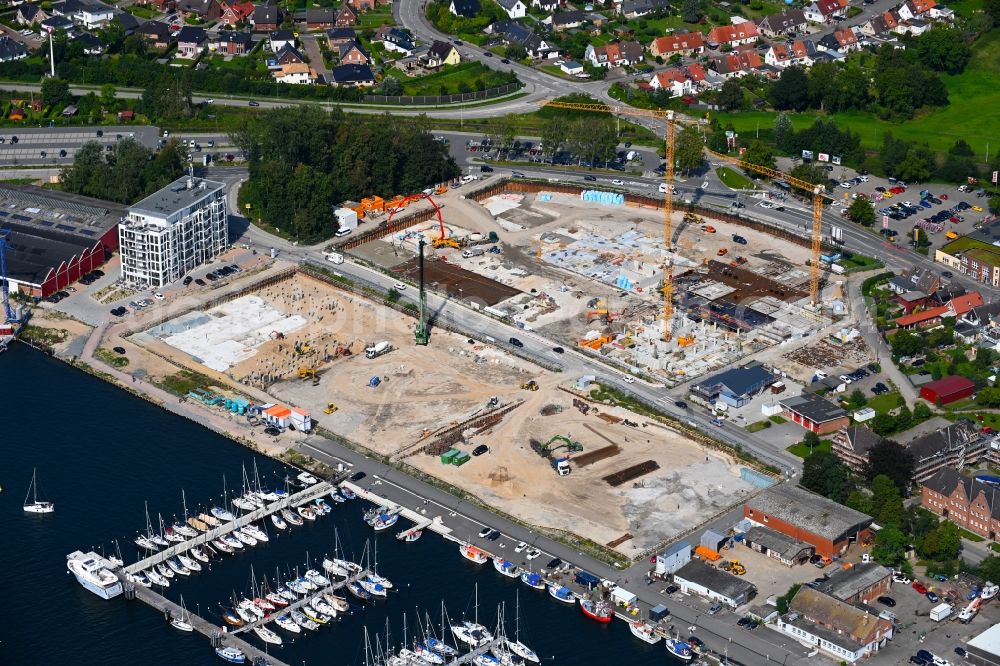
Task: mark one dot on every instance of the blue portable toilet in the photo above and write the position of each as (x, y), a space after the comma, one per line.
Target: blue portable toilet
(374, 382)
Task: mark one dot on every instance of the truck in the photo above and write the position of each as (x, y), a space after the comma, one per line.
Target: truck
(940, 612)
(561, 466)
(378, 349)
(334, 257)
(586, 579)
(837, 268)
(472, 252)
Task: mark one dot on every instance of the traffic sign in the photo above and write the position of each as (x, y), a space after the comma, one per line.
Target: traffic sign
(995, 177)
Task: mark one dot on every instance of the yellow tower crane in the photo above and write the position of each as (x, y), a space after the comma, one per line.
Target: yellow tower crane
(667, 118)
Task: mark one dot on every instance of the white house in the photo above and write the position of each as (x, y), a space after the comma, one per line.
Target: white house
(279, 39)
(673, 80)
(571, 67)
(296, 73)
(825, 11)
(89, 14)
(514, 8)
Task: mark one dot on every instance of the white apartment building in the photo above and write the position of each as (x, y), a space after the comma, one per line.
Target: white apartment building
(172, 231)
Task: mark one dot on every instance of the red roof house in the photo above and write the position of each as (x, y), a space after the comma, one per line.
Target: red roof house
(947, 390)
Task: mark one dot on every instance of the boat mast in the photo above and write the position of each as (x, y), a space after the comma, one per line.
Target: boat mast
(184, 502)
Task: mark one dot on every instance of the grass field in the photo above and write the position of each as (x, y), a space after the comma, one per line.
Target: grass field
(375, 18)
(802, 451)
(734, 179)
(885, 402)
(973, 113)
(450, 78)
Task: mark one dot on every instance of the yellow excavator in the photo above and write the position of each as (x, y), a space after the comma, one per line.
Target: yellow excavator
(302, 349)
(439, 243)
(309, 373)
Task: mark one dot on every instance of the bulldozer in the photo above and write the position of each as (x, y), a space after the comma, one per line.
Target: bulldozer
(330, 408)
(531, 385)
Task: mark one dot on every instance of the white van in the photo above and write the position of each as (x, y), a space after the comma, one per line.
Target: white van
(469, 178)
(663, 188)
(342, 232)
(334, 257)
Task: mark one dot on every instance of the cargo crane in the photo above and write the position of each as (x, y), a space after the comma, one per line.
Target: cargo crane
(440, 241)
(4, 283)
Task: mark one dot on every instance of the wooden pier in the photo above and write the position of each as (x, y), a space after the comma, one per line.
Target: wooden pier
(297, 499)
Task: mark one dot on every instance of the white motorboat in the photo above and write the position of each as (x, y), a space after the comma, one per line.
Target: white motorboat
(680, 649)
(306, 512)
(199, 554)
(177, 567)
(338, 603)
(93, 572)
(315, 615)
(505, 567)
(298, 586)
(288, 624)
(307, 479)
(36, 506)
(246, 615)
(322, 507)
(223, 546)
(319, 603)
(381, 580)
(384, 521)
(532, 579)
(170, 535)
(156, 579)
(300, 619)
(373, 588)
(337, 497)
(222, 514)
(471, 634)
(317, 579)
(256, 533)
(244, 504)
(189, 563)
(232, 541)
(231, 654)
(485, 660)
(267, 635)
(563, 594)
(278, 522)
(250, 607)
(348, 493)
(644, 632)
(244, 537)
(140, 578)
(291, 517)
(472, 553)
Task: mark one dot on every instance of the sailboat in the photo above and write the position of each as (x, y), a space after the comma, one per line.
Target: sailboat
(472, 633)
(431, 641)
(182, 623)
(516, 646)
(34, 506)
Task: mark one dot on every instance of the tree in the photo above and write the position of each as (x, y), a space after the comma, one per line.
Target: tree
(915, 168)
(516, 51)
(995, 200)
(759, 153)
(905, 343)
(859, 501)
(824, 473)
(689, 149)
(593, 140)
(108, 96)
(962, 148)
(783, 133)
(862, 212)
(553, 136)
(55, 92)
(890, 545)
(921, 412)
(811, 440)
(791, 90)
(730, 96)
(783, 601)
(858, 398)
(988, 397)
(890, 460)
(945, 50)
(390, 87)
(992, 8)
(693, 11)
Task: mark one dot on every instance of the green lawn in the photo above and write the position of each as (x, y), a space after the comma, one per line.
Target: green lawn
(143, 12)
(778, 419)
(858, 262)
(971, 536)
(375, 18)
(802, 451)
(758, 426)
(450, 77)
(973, 113)
(734, 179)
(884, 403)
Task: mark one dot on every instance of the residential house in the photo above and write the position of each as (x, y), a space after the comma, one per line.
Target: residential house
(911, 300)
(684, 43)
(955, 446)
(396, 40)
(545, 5)
(734, 35)
(279, 39)
(843, 41)
(230, 42)
(88, 13)
(191, 42)
(852, 445)
(674, 80)
(11, 50)
(571, 67)
(464, 8)
(789, 22)
(827, 526)
(614, 54)
(157, 33)
(915, 9)
(265, 18)
(916, 279)
(515, 8)
(966, 501)
(863, 583)
(337, 36)
(206, 10)
(57, 23)
(734, 387)
(345, 17)
(735, 64)
(826, 11)
(941, 14)
(632, 9)
(913, 27)
(289, 55)
(352, 53)
(441, 54)
(931, 317)
(91, 44)
(511, 32)
(840, 630)
(352, 76)
(801, 54)
(29, 13)
(296, 73)
(366, 5)
(814, 413)
(234, 12)
(874, 27)
(320, 18)
(128, 22)
(567, 20)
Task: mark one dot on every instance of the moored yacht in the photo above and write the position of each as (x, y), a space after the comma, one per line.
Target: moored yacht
(93, 572)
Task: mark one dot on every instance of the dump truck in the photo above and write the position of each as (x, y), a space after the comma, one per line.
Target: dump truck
(561, 466)
(707, 554)
(378, 349)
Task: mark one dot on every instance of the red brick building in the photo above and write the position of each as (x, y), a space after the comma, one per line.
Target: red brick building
(803, 515)
(815, 413)
(965, 501)
(862, 583)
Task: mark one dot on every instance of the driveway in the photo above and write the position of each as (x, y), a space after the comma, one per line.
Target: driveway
(311, 47)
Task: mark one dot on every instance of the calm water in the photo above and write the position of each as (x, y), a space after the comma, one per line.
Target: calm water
(102, 453)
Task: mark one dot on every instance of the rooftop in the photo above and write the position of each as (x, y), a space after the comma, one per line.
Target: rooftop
(180, 195)
(714, 579)
(988, 641)
(740, 381)
(814, 513)
(828, 635)
(821, 608)
(849, 582)
(813, 407)
(776, 542)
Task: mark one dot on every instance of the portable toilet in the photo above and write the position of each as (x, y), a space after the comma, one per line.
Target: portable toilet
(460, 459)
(374, 382)
(447, 456)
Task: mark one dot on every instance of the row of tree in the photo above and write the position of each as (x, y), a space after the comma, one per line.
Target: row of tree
(125, 174)
(305, 161)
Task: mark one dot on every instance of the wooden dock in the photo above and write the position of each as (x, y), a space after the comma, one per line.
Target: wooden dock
(297, 499)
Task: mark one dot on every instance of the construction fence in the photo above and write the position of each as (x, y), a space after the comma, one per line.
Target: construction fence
(489, 93)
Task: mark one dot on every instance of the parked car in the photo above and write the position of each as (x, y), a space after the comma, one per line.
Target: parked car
(480, 450)
(919, 587)
(887, 601)
(485, 532)
(357, 476)
(516, 342)
(932, 597)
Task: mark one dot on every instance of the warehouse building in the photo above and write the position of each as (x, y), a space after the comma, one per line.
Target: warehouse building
(862, 583)
(805, 516)
(815, 413)
(55, 237)
(735, 387)
(673, 558)
(171, 232)
(696, 577)
(776, 545)
(947, 390)
(984, 649)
